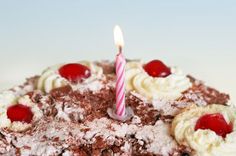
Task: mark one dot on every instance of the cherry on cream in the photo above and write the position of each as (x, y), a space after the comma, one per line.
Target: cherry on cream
(74, 72)
(157, 68)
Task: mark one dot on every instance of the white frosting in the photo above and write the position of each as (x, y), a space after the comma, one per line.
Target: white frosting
(51, 79)
(168, 88)
(205, 142)
(96, 71)
(7, 99)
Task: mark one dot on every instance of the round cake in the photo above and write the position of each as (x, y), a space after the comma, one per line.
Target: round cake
(63, 112)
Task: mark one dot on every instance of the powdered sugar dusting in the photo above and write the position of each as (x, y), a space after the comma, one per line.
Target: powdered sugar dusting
(69, 112)
(196, 98)
(157, 138)
(57, 134)
(93, 86)
(37, 147)
(99, 127)
(21, 90)
(165, 107)
(127, 147)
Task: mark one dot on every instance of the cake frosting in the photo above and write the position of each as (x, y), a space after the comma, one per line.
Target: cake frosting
(6, 98)
(51, 79)
(13, 100)
(168, 88)
(205, 142)
(71, 118)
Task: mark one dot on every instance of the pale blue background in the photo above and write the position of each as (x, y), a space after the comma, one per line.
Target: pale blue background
(199, 36)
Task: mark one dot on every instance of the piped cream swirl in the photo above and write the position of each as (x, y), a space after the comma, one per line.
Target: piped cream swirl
(168, 88)
(51, 79)
(205, 142)
(7, 99)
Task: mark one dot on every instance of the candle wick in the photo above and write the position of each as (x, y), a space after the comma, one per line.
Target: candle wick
(120, 49)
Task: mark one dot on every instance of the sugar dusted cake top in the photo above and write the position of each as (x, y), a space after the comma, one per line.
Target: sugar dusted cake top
(70, 112)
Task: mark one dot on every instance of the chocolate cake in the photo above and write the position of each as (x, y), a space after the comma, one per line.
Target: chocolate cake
(61, 113)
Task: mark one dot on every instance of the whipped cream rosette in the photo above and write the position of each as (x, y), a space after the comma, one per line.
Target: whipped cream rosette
(7, 98)
(51, 78)
(17, 113)
(152, 88)
(209, 130)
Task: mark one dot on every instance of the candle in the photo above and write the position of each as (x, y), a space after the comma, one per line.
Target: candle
(120, 73)
(120, 111)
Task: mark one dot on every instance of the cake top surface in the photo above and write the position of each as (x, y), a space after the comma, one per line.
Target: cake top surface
(70, 111)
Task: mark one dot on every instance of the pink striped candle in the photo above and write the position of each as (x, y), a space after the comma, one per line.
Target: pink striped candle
(120, 85)
(121, 112)
(120, 73)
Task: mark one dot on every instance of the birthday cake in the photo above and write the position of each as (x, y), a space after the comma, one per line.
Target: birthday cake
(63, 112)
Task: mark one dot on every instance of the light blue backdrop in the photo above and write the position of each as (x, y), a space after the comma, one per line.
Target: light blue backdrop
(199, 36)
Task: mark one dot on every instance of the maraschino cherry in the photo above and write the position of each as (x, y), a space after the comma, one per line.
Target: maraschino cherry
(215, 122)
(156, 68)
(20, 113)
(74, 72)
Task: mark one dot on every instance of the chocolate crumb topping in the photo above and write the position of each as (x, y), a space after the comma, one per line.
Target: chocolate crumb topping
(76, 122)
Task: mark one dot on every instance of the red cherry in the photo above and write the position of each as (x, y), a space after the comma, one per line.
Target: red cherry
(74, 72)
(20, 113)
(215, 122)
(156, 68)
